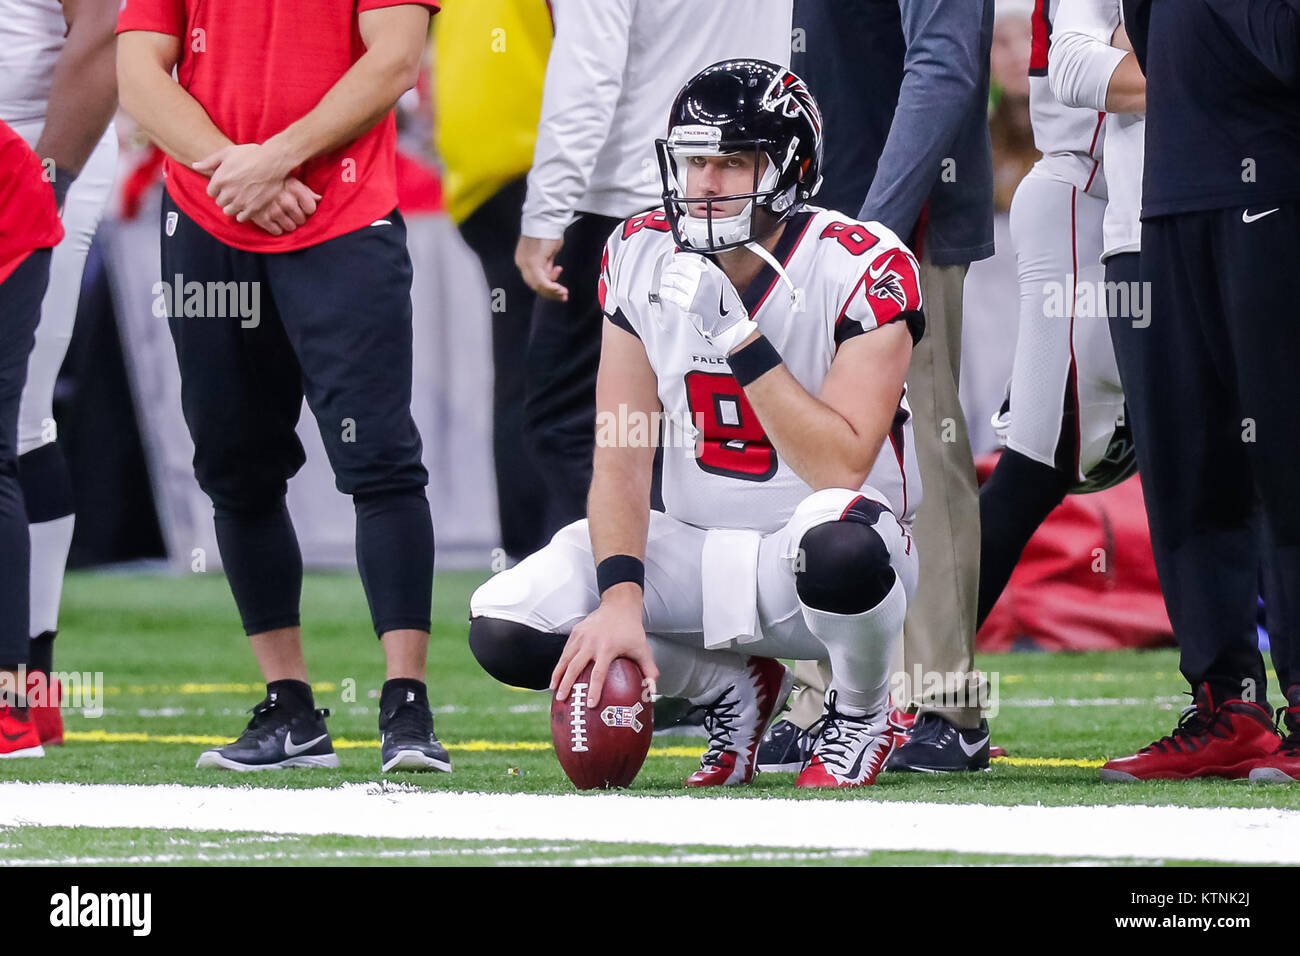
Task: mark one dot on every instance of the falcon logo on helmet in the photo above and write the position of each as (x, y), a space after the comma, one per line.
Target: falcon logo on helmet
(789, 96)
(743, 106)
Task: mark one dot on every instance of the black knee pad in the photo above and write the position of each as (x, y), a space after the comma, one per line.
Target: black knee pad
(845, 568)
(515, 654)
(47, 485)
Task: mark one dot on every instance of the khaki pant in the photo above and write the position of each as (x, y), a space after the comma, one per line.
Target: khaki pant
(939, 633)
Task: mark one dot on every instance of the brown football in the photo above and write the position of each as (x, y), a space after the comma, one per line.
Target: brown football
(604, 747)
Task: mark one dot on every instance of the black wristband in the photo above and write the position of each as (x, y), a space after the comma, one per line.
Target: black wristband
(753, 360)
(61, 183)
(618, 569)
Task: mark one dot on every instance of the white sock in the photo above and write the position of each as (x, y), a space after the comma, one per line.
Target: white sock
(693, 672)
(861, 649)
(50, 543)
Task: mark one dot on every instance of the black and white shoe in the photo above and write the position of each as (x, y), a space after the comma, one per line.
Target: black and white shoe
(785, 748)
(937, 746)
(406, 737)
(278, 736)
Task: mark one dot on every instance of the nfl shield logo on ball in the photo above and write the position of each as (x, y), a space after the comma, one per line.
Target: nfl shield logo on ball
(622, 716)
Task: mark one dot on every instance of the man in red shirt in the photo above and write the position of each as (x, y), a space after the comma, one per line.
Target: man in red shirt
(285, 273)
(29, 230)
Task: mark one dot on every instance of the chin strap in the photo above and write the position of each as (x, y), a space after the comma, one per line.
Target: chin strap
(759, 250)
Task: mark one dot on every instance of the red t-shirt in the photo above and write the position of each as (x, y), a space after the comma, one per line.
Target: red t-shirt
(29, 216)
(256, 66)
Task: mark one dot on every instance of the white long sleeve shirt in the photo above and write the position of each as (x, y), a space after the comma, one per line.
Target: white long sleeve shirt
(614, 70)
(1070, 139)
(1080, 64)
(31, 38)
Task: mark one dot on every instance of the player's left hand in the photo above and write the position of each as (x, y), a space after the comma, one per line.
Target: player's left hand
(244, 178)
(707, 299)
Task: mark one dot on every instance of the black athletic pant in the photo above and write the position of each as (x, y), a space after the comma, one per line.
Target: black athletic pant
(20, 312)
(1014, 501)
(563, 355)
(1213, 391)
(333, 322)
(492, 231)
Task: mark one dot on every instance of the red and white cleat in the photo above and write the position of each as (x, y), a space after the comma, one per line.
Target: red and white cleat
(736, 722)
(850, 750)
(900, 725)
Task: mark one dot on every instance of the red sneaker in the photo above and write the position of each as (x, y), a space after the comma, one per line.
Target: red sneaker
(1212, 739)
(43, 698)
(1283, 764)
(736, 722)
(18, 737)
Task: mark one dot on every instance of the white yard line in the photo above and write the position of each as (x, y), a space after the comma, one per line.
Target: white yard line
(1115, 832)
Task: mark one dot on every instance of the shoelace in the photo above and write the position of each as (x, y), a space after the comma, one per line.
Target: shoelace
(720, 720)
(1290, 730)
(263, 721)
(410, 721)
(835, 740)
(1195, 722)
(929, 730)
(267, 717)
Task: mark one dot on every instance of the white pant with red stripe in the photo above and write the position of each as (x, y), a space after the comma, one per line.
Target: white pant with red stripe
(555, 588)
(1064, 357)
(85, 204)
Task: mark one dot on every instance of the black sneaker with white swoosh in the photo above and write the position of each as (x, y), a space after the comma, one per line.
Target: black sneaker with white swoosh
(277, 737)
(406, 737)
(937, 746)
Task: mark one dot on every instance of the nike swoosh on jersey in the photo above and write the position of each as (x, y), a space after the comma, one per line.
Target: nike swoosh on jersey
(722, 309)
(971, 751)
(885, 263)
(1248, 218)
(293, 749)
(382, 222)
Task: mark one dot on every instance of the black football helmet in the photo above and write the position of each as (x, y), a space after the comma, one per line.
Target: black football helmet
(740, 106)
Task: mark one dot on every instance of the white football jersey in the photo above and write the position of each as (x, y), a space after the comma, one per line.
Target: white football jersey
(31, 37)
(1070, 139)
(720, 470)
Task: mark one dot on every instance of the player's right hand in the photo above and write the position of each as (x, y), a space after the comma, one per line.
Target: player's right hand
(289, 209)
(707, 299)
(611, 631)
(535, 259)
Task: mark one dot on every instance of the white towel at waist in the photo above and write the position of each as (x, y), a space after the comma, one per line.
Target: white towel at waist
(729, 578)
